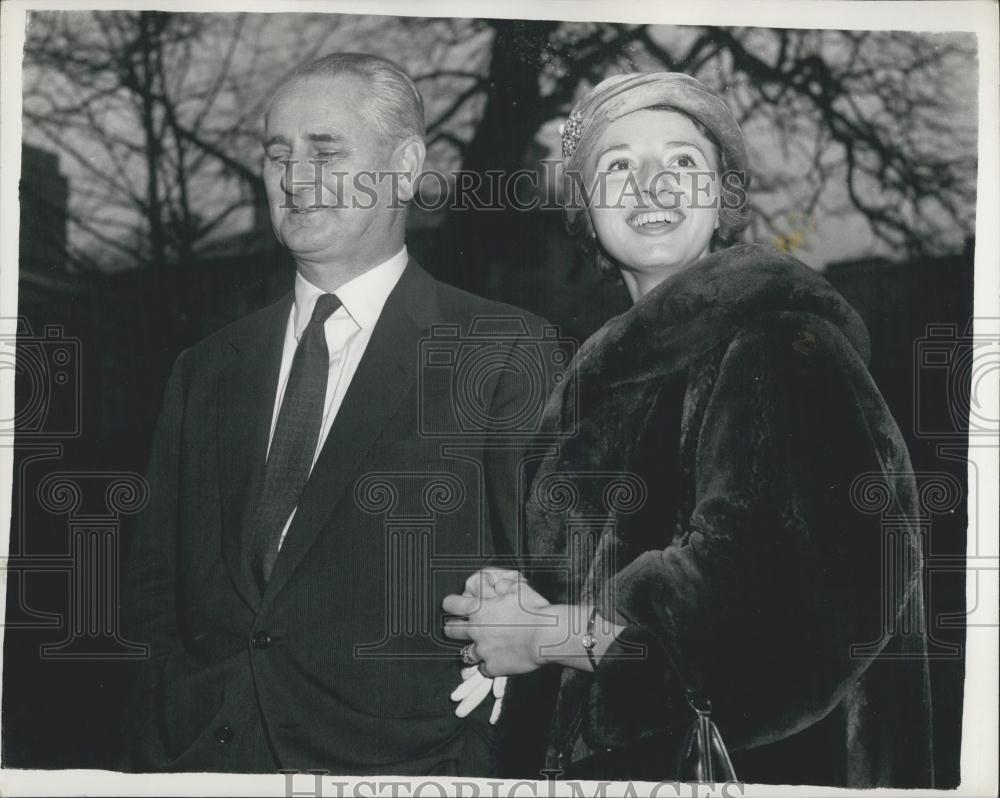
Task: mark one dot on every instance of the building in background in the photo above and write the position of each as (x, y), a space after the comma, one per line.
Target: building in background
(44, 195)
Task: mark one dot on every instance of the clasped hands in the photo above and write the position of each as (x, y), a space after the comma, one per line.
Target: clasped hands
(501, 618)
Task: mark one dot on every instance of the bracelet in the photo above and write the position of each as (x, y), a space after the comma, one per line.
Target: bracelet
(589, 641)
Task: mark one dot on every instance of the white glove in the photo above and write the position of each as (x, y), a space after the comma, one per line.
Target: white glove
(487, 583)
(474, 688)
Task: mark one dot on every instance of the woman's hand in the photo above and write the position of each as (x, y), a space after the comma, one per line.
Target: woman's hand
(504, 628)
(486, 583)
(491, 582)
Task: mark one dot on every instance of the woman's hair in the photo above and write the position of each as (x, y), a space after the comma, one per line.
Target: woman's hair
(734, 218)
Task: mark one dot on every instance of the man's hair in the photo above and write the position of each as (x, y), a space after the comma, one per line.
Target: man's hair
(394, 108)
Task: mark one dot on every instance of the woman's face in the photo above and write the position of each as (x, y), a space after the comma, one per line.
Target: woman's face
(659, 205)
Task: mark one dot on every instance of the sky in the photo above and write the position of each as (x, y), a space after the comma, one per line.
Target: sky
(261, 56)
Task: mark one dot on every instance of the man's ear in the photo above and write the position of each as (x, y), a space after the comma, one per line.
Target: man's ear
(408, 161)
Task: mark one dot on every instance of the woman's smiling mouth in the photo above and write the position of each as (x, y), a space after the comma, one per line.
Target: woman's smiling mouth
(655, 220)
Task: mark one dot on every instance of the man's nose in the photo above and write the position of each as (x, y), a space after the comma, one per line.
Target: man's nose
(302, 178)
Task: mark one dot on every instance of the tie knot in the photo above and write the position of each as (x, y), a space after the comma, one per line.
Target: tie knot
(326, 305)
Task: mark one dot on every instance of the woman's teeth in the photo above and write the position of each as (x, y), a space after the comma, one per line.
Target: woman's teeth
(640, 219)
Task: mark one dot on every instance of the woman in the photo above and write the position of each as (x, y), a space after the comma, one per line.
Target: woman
(701, 525)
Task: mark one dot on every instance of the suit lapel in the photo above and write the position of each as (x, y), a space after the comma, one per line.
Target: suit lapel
(246, 402)
(387, 371)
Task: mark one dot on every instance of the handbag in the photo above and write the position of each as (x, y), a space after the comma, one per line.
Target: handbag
(703, 755)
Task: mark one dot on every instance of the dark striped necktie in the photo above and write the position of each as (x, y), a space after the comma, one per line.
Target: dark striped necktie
(293, 445)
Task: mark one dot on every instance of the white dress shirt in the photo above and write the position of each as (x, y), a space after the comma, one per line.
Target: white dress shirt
(348, 331)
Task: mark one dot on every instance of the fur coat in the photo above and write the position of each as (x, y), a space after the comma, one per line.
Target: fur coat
(731, 487)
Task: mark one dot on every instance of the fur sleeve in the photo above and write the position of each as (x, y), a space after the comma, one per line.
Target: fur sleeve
(779, 577)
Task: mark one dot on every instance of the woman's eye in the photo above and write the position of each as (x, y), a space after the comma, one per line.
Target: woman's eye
(619, 165)
(685, 161)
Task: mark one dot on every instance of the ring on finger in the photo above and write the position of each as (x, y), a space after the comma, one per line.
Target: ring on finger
(468, 658)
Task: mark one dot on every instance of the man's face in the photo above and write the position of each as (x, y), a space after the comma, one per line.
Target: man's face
(324, 212)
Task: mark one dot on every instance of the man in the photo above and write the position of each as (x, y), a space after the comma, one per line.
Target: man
(313, 497)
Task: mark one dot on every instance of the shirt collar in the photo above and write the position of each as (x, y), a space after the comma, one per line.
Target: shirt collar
(362, 298)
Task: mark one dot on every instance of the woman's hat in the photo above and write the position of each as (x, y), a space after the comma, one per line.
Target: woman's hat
(617, 96)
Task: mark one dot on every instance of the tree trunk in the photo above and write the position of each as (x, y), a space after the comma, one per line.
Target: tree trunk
(471, 243)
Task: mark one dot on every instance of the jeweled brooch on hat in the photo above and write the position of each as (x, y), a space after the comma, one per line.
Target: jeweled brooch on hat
(571, 131)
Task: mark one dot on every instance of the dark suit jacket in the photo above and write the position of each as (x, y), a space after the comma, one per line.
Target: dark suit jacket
(341, 664)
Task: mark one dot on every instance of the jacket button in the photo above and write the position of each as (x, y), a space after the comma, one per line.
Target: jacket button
(223, 735)
(261, 640)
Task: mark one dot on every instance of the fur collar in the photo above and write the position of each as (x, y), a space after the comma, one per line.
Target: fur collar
(691, 312)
